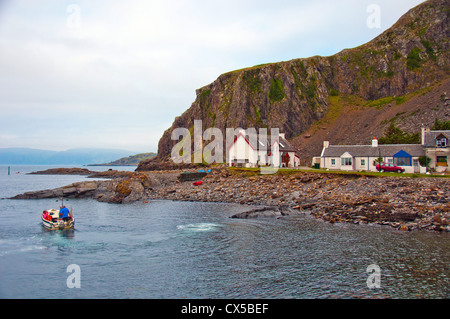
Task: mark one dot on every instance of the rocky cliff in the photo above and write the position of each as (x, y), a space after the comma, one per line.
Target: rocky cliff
(406, 59)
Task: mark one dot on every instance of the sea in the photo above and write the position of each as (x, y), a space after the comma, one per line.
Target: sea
(193, 250)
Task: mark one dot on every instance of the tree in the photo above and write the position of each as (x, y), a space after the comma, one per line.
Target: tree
(394, 135)
(377, 161)
(438, 125)
(424, 161)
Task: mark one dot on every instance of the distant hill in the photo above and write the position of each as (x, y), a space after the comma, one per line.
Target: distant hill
(133, 160)
(76, 156)
(24, 156)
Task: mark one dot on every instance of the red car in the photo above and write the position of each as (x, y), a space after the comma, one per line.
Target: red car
(387, 167)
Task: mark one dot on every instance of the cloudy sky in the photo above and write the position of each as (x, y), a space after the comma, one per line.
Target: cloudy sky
(115, 74)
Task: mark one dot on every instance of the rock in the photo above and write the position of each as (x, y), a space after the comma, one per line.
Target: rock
(67, 191)
(84, 171)
(259, 212)
(438, 228)
(395, 224)
(437, 219)
(191, 176)
(64, 171)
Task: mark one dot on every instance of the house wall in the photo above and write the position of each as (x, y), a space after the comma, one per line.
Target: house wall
(276, 160)
(433, 153)
(241, 150)
(357, 165)
(294, 160)
(327, 162)
(263, 158)
(364, 163)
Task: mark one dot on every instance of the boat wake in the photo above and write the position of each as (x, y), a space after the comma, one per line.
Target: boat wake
(199, 227)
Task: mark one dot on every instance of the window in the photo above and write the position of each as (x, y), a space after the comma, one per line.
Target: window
(363, 162)
(333, 162)
(347, 161)
(402, 161)
(402, 158)
(441, 142)
(390, 160)
(441, 160)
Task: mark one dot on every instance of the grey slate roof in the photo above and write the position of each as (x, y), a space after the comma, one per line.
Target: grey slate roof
(387, 150)
(430, 137)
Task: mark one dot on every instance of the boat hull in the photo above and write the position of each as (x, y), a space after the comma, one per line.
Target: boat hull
(58, 225)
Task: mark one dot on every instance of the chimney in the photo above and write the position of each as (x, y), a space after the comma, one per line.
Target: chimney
(282, 135)
(424, 131)
(326, 144)
(374, 142)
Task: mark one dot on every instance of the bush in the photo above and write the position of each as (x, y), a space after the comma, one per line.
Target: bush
(438, 125)
(377, 161)
(394, 135)
(424, 161)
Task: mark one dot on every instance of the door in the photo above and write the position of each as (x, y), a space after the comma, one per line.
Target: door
(416, 166)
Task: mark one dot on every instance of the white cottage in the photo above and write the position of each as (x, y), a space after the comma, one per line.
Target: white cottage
(249, 150)
(362, 157)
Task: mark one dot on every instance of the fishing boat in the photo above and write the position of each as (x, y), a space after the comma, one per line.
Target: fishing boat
(50, 220)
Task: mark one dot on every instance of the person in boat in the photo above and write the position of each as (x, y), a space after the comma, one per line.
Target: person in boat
(46, 215)
(64, 213)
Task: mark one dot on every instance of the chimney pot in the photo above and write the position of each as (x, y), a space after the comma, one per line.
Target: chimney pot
(374, 142)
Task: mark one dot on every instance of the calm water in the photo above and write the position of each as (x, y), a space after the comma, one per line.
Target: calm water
(165, 249)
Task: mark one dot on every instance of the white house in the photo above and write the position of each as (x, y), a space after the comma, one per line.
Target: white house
(250, 150)
(362, 157)
(437, 148)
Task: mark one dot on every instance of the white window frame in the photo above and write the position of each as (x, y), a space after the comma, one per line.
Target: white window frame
(346, 160)
(441, 142)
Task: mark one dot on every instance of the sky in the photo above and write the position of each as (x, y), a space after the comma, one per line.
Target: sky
(115, 74)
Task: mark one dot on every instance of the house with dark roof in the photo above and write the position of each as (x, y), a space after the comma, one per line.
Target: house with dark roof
(363, 157)
(249, 149)
(436, 144)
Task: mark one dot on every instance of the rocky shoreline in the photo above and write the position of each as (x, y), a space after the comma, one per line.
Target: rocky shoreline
(401, 202)
(84, 171)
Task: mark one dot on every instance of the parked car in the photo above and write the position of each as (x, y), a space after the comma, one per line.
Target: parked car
(387, 167)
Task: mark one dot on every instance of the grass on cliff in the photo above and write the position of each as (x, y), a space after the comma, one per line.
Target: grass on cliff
(398, 99)
(276, 91)
(335, 107)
